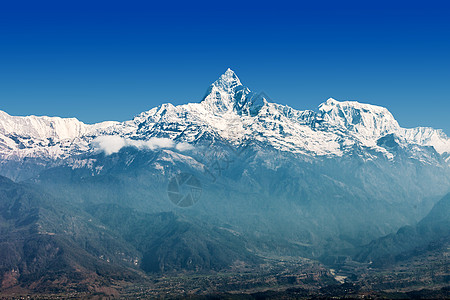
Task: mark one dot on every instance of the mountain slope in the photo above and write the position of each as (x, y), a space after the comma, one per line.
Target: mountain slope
(46, 244)
(431, 233)
(170, 242)
(49, 245)
(262, 193)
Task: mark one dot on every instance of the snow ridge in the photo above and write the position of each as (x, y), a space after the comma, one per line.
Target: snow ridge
(229, 111)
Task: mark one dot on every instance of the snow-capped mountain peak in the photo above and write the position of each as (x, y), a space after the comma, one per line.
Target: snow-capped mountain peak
(41, 127)
(369, 120)
(227, 81)
(227, 94)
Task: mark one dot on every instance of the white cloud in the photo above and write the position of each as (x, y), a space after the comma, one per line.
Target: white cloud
(112, 144)
(109, 143)
(155, 143)
(184, 147)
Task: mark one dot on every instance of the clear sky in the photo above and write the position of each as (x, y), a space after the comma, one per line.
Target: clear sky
(110, 60)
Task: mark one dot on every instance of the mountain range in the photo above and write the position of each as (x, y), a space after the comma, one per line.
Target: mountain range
(229, 112)
(233, 182)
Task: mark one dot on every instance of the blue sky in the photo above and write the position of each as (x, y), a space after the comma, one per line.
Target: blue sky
(110, 60)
